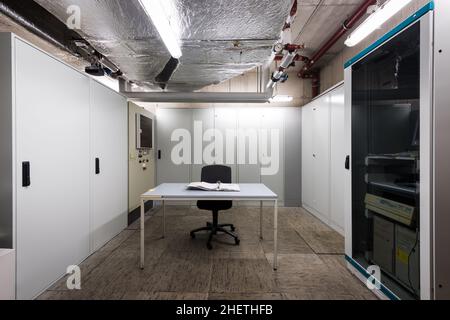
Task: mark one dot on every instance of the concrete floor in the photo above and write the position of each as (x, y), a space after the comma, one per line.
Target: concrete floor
(311, 261)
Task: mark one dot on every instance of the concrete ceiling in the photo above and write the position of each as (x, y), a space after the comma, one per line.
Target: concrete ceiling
(317, 20)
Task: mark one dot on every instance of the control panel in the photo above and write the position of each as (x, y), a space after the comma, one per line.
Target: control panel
(142, 157)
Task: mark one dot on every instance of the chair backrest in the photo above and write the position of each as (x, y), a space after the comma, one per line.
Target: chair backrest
(215, 173)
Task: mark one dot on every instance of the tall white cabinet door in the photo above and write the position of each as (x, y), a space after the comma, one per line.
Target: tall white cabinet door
(249, 124)
(321, 156)
(273, 170)
(337, 111)
(179, 123)
(52, 126)
(307, 156)
(247, 151)
(226, 123)
(109, 149)
(203, 122)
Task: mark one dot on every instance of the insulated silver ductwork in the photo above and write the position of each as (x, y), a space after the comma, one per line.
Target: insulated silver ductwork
(220, 39)
(262, 95)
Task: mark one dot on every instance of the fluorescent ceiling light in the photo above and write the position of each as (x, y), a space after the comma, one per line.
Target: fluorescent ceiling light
(375, 21)
(281, 98)
(157, 13)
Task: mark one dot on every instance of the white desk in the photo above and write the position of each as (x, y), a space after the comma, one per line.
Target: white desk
(179, 192)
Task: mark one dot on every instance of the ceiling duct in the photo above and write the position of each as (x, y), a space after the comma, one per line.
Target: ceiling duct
(200, 97)
(263, 95)
(219, 39)
(40, 22)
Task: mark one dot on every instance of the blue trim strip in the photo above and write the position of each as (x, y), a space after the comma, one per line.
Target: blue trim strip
(416, 16)
(388, 293)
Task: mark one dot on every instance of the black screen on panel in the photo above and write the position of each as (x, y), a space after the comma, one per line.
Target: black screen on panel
(146, 133)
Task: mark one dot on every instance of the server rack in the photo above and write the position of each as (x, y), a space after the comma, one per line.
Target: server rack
(392, 134)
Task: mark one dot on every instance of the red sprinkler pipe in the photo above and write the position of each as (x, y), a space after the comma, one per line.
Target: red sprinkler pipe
(293, 12)
(298, 57)
(347, 25)
(294, 8)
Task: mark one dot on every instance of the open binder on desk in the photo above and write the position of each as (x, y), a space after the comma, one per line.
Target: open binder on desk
(204, 186)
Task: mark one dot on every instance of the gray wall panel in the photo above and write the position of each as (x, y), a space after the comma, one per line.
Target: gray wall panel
(6, 165)
(442, 151)
(293, 158)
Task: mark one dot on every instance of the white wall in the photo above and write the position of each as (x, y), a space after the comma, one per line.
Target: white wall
(108, 144)
(323, 158)
(234, 119)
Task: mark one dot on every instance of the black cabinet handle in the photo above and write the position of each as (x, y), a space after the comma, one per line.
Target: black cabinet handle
(97, 166)
(26, 180)
(347, 163)
(159, 154)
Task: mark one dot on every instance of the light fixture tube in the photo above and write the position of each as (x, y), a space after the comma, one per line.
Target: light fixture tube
(375, 21)
(156, 12)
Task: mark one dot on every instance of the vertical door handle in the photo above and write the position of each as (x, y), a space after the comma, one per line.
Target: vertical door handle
(347, 163)
(26, 180)
(97, 166)
(159, 154)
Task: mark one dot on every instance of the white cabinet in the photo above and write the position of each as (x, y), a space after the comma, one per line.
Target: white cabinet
(176, 124)
(7, 275)
(307, 156)
(108, 160)
(226, 123)
(323, 158)
(273, 125)
(321, 155)
(249, 124)
(337, 157)
(249, 140)
(203, 122)
(52, 127)
(316, 156)
(58, 122)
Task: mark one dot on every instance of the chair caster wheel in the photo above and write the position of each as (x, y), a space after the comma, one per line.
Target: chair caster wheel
(209, 246)
(193, 235)
(237, 241)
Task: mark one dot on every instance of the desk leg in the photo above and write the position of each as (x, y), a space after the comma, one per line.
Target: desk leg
(261, 220)
(142, 233)
(164, 219)
(275, 236)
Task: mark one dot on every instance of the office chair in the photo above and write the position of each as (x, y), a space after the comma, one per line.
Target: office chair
(214, 174)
